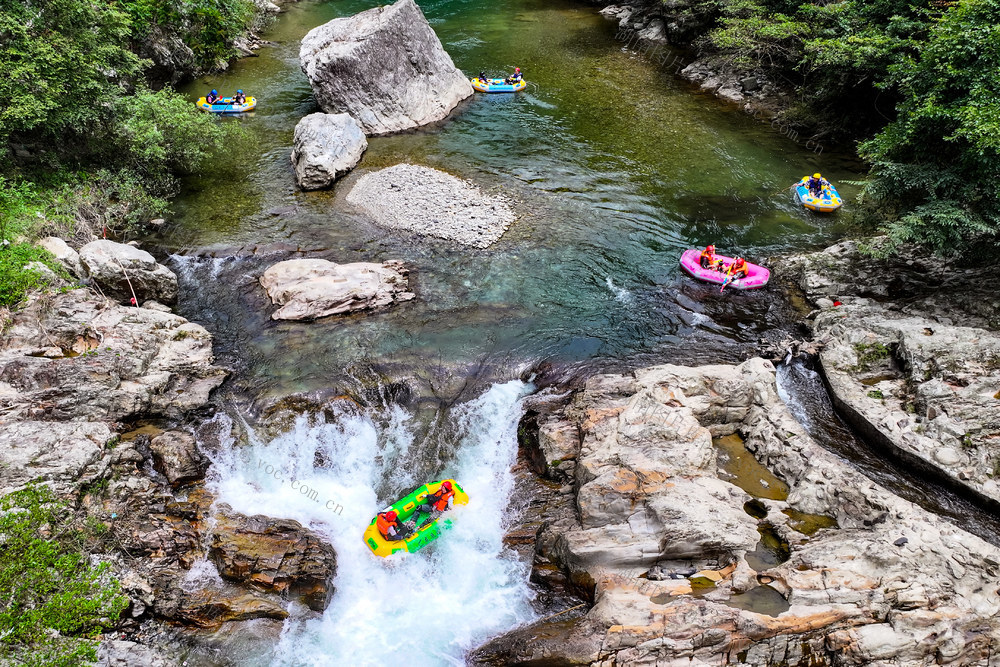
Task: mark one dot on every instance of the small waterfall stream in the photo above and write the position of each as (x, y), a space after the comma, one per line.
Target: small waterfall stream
(417, 611)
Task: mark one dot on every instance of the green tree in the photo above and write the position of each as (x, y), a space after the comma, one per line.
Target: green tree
(936, 168)
(63, 63)
(50, 596)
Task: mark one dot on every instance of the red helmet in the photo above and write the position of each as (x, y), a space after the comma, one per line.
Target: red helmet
(446, 486)
(710, 248)
(517, 69)
(740, 261)
(391, 515)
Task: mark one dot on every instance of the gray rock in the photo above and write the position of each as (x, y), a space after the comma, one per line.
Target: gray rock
(385, 67)
(62, 453)
(326, 146)
(68, 257)
(176, 456)
(431, 202)
(121, 270)
(307, 289)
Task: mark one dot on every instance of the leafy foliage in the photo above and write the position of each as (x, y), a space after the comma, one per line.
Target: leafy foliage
(46, 585)
(936, 168)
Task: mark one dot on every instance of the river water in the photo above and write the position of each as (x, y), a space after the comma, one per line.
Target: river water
(616, 167)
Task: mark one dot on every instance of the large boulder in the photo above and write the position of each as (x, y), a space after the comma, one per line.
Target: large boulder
(311, 288)
(77, 357)
(121, 271)
(384, 66)
(29, 453)
(326, 147)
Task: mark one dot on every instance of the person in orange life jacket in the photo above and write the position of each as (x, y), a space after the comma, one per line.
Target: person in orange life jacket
(239, 98)
(213, 97)
(515, 77)
(389, 526)
(816, 184)
(708, 260)
(437, 502)
(739, 269)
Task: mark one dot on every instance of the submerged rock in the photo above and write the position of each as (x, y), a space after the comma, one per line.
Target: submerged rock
(326, 147)
(121, 271)
(307, 289)
(431, 202)
(384, 66)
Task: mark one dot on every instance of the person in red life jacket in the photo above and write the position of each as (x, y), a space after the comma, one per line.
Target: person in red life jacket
(739, 269)
(708, 259)
(437, 502)
(389, 526)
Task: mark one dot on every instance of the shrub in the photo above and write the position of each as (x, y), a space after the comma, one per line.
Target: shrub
(46, 585)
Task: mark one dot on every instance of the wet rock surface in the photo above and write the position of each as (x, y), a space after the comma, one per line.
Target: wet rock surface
(385, 67)
(307, 289)
(432, 203)
(662, 543)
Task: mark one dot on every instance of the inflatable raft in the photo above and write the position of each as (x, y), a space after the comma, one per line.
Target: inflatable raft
(497, 85)
(225, 105)
(690, 262)
(425, 532)
(827, 202)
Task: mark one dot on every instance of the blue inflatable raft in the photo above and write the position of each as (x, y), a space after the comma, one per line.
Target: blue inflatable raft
(225, 105)
(497, 85)
(827, 201)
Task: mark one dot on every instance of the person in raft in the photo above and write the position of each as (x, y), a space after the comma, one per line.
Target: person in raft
(437, 502)
(708, 259)
(483, 79)
(816, 184)
(239, 98)
(739, 269)
(389, 526)
(213, 97)
(515, 77)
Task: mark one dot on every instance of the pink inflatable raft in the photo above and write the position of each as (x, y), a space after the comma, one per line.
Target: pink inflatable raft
(690, 262)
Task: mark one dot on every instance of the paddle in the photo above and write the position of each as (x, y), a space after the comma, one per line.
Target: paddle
(729, 278)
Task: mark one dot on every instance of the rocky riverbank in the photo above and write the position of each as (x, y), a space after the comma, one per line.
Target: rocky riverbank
(109, 405)
(912, 357)
(683, 565)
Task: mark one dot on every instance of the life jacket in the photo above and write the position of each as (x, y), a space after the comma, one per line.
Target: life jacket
(439, 500)
(740, 266)
(707, 259)
(383, 524)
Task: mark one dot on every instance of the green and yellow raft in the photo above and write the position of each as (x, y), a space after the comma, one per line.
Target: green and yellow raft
(405, 506)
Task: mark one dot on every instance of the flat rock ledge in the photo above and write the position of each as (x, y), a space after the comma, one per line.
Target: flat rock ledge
(307, 289)
(902, 362)
(432, 203)
(668, 548)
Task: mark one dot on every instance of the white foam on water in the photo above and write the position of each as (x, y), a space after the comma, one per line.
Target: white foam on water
(422, 609)
(620, 293)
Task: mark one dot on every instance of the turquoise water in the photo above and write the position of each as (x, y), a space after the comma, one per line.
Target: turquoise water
(616, 166)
